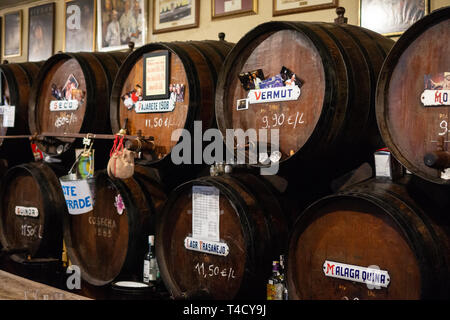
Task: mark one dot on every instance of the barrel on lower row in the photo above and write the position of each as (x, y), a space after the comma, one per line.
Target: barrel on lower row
(110, 241)
(375, 240)
(31, 209)
(314, 82)
(15, 85)
(217, 237)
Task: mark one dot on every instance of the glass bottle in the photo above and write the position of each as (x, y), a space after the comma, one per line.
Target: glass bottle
(150, 265)
(274, 286)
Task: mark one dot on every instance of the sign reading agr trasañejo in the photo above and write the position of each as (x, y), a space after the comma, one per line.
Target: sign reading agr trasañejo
(212, 247)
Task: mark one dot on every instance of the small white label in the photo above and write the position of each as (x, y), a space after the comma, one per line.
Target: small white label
(63, 105)
(212, 247)
(372, 275)
(26, 211)
(148, 106)
(435, 98)
(445, 174)
(276, 94)
(9, 116)
(383, 164)
(205, 213)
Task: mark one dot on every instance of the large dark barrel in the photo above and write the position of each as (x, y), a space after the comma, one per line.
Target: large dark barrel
(389, 226)
(32, 205)
(109, 242)
(71, 96)
(336, 68)
(413, 98)
(252, 226)
(193, 65)
(16, 81)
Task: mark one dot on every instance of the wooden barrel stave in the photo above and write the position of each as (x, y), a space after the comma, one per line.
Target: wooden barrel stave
(107, 244)
(409, 129)
(32, 185)
(373, 223)
(94, 73)
(251, 223)
(17, 79)
(334, 62)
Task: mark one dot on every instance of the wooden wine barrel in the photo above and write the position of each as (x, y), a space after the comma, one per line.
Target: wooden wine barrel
(32, 205)
(379, 224)
(84, 79)
(411, 112)
(110, 241)
(16, 81)
(251, 224)
(193, 65)
(336, 69)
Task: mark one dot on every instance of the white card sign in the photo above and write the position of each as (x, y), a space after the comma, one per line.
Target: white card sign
(432, 98)
(373, 277)
(26, 211)
(9, 116)
(148, 106)
(211, 247)
(276, 94)
(205, 213)
(63, 105)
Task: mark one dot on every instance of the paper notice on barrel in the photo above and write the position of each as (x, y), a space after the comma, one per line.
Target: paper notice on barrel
(205, 213)
(9, 116)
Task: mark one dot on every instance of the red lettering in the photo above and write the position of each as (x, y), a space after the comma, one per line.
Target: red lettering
(438, 97)
(330, 267)
(258, 96)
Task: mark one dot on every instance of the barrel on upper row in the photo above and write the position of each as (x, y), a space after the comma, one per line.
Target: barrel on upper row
(16, 82)
(314, 82)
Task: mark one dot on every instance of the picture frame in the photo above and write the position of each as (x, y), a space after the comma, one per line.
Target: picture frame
(168, 17)
(12, 34)
(227, 8)
(282, 7)
(79, 25)
(156, 66)
(41, 31)
(130, 24)
(391, 18)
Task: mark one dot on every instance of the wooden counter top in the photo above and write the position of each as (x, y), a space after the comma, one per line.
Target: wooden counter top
(13, 287)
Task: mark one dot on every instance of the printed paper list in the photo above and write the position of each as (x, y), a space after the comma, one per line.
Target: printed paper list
(205, 213)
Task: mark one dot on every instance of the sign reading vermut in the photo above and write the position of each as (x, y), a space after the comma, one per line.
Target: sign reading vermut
(276, 94)
(26, 211)
(372, 275)
(63, 105)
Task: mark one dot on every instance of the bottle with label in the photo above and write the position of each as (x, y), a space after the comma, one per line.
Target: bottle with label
(283, 279)
(150, 265)
(274, 286)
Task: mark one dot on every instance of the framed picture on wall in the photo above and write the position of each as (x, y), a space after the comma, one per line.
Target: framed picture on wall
(170, 15)
(391, 18)
(226, 8)
(12, 34)
(79, 25)
(120, 22)
(281, 7)
(40, 32)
